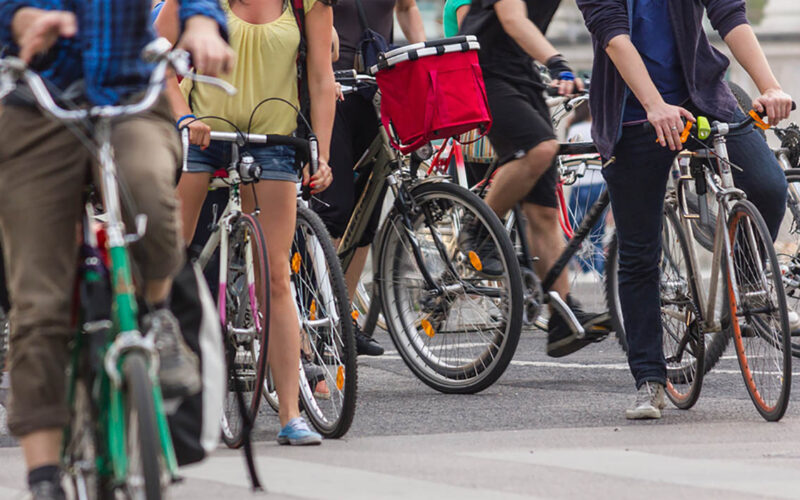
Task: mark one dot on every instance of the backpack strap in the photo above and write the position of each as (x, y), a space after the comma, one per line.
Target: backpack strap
(304, 98)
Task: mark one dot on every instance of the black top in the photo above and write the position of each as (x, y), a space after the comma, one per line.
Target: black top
(380, 17)
(500, 55)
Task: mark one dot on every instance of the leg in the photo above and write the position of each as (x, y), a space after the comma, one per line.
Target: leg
(518, 177)
(547, 242)
(43, 169)
(191, 192)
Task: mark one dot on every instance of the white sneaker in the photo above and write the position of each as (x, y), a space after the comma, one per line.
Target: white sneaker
(649, 402)
(794, 322)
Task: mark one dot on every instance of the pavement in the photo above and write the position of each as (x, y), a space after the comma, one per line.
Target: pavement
(550, 428)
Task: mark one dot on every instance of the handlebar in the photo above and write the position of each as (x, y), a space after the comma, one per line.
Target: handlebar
(13, 70)
(352, 81)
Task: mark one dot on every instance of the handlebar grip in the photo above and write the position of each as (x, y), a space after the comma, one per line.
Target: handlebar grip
(185, 146)
(313, 164)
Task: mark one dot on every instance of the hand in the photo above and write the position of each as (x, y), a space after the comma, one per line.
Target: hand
(339, 93)
(321, 179)
(666, 120)
(44, 31)
(211, 55)
(199, 132)
(568, 87)
(776, 103)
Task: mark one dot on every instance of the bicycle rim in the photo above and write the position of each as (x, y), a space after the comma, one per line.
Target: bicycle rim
(246, 325)
(761, 328)
(787, 247)
(329, 374)
(462, 338)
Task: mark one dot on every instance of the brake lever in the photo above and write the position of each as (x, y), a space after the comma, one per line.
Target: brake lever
(180, 60)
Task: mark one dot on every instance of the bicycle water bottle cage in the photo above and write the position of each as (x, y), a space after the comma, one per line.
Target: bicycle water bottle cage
(703, 128)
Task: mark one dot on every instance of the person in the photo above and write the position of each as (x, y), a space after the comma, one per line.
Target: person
(511, 36)
(453, 15)
(43, 170)
(654, 63)
(265, 37)
(354, 129)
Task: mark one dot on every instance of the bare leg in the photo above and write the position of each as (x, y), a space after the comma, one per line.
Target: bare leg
(547, 242)
(41, 448)
(192, 190)
(353, 274)
(518, 177)
(278, 203)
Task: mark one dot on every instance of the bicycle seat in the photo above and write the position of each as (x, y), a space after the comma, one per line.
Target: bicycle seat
(220, 173)
(576, 148)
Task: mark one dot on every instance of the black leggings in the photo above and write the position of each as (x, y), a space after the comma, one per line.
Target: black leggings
(354, 129)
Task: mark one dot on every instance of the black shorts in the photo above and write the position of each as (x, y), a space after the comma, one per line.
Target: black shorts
(521, 121)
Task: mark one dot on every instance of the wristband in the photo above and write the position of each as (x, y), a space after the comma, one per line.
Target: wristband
(557, 65)
(179, 120)
(566, 76)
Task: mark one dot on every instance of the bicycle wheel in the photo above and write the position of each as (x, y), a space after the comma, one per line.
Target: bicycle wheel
(683, 340)
(80, 450)
(143, 477)
(246, 323)
(458, 333)
(761, 334)
(362, 300)
(329, 374)
(787, 247)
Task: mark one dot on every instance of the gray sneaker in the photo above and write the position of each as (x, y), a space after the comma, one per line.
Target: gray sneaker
(649, 402)
(178, 369)
(47, 490)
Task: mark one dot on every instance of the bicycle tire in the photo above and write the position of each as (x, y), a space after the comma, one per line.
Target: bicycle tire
(781, 342)
(318, 297)
(80, 446)
(484, 365)
(140, 427)
(790, 251)
(246, 375)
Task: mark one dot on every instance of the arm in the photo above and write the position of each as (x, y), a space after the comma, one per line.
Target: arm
(461, 13)
(34, 30)
(746, 49)
(168, 21)
(335, 46)
(321, 88)
(410, 20)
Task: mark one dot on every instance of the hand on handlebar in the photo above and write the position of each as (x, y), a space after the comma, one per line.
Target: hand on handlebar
(199, 132)
(776, 103)
(568, 87)
(211, 55)
(321, 179)
(667, 121)
(43, 31)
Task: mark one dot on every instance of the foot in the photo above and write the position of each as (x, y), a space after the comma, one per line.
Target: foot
(315, 376)
(561, 340)
(366, 345)
(297, 433)
(47, 490)
(178, 368)
(649, 402)
(476, 242)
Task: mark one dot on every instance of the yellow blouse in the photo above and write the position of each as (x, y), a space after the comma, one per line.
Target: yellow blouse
(266, 66)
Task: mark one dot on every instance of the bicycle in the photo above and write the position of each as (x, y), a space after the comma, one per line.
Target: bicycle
(754, 303)
(118, 441)
(454, 327)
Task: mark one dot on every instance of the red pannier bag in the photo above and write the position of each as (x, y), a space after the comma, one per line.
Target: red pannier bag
(432, 90)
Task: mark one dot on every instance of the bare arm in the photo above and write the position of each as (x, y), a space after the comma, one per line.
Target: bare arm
(168, 23)
(410, 20)
(36, 30)
(461, 13)
(666, 119)
(746, 49)
(513, 15)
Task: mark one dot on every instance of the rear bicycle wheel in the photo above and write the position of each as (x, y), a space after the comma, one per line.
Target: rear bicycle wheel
(143, 476)
(459, 335)
(329, 374)
(760, 321)
(246, 323)
(787, 247)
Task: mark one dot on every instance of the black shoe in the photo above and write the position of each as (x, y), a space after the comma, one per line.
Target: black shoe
(365, 345)
(561, 340)
(476, 242)
(178, 368)
(47, 490)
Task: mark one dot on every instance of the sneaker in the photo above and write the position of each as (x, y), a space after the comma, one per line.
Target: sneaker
(649, 402)
(474, 240)
(178, 368)
(47, 490)
(315, 376)
(366, 345)
(561, 340)
(794, 323)
(297, 433)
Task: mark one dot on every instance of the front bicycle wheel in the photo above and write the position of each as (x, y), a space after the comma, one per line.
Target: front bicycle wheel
(787, 247)
(245, 302)
(143, 476)
(329, 373)
(760, 320)
(455, 328)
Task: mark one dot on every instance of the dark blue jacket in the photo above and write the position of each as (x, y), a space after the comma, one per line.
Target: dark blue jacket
(703, 66)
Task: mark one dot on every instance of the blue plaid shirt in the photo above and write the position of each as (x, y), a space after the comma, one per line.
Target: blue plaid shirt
(106, 51)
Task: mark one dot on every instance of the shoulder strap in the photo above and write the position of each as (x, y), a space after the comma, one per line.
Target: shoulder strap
(298, 8)
(362, 15)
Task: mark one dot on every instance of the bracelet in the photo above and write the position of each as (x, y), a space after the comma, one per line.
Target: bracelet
(179, 120)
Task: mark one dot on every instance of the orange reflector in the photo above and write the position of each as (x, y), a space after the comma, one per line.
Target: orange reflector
(296, 260)
(428, 328)
(312, 310)
(354, 315)
(340, 377)
(475, 261)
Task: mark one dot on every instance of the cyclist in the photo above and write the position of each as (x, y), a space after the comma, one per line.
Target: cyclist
(511, 36)
(265, 36)
(654, 63)
(43, 169)
(355, 128)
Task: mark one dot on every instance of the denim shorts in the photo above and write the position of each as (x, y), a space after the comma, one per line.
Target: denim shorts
(277, 162)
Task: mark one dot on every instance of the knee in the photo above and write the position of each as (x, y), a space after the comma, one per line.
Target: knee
(541, 218)
(279, 280)
(639, 260)
(541, 156)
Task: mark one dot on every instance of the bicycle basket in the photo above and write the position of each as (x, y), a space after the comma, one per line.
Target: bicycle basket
(432, 90)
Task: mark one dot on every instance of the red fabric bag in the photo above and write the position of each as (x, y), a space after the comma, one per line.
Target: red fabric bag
(432, 90)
